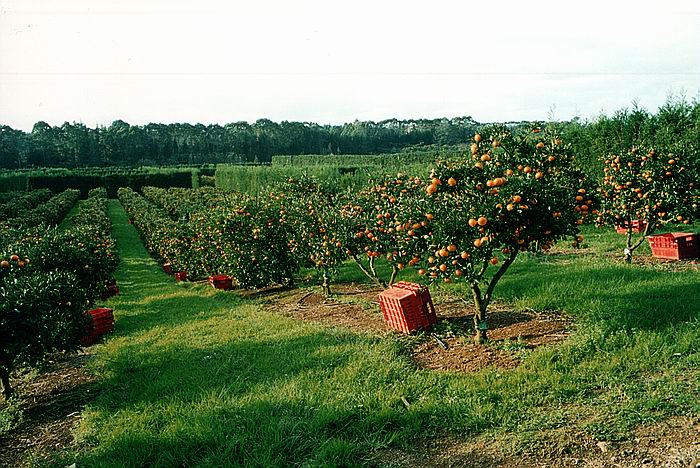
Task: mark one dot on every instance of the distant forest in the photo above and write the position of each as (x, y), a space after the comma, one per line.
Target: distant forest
(120, 144)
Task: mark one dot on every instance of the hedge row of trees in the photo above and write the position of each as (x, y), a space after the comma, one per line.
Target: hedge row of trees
(50, 276)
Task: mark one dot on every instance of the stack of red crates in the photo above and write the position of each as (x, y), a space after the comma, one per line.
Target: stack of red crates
(180, 276)
(102, 322)
(111, 291)
(637, 226)
(675, 245)
(407, 307)
(221, 282)
(167, 268)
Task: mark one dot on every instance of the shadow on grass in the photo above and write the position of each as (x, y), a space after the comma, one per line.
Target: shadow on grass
(617, 296)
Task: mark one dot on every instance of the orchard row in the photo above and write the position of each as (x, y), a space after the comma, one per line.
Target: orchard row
(49, 276)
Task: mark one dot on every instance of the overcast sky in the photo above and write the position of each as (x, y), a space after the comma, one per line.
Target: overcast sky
(95, 61)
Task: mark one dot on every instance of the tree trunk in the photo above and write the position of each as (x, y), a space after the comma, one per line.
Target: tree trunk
(481, 325)
(367, 272)
(394, 272)
(326, 282)
(628, 250)
(5, 378)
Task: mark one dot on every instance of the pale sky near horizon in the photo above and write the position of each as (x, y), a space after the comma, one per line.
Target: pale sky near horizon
(95, 61)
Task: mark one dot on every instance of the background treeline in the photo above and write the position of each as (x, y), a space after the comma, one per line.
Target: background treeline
(121, 144)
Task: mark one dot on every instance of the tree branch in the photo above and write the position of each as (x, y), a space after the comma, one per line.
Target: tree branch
(497, 276)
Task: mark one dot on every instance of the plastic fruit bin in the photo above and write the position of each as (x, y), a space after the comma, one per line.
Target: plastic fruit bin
(675, 245)
(637, 226)
(221, 282)
(111, 291)
(403, 310)
(180, 276)
(168, 268)
(102, 322)
(424, 294)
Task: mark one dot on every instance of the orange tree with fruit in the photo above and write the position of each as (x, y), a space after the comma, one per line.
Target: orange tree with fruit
(513, 193)
(649, 187)
(316, 236)
(379, 227)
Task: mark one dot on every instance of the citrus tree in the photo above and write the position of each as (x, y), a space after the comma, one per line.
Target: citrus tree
(316, 232)
(648, 188)
(377, 228)
(513, 193)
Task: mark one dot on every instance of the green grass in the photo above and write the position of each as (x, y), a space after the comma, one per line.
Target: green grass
(197, 377)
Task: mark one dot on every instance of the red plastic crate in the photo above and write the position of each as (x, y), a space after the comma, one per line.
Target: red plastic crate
(102, 322)
(180, 276)
(675, 245)
(112, 290)
(221, 282)
(168, 268)
(403, 310)
(424, 294)
(90, 339)
(637, 226)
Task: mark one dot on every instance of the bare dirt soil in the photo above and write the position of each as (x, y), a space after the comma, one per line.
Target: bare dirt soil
(50, 404)
(672, 444)
(356, 307)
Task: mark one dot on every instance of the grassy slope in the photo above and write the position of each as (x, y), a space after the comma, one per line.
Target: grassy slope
(196, 377)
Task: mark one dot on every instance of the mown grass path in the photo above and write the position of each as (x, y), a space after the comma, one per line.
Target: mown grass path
(197, 377)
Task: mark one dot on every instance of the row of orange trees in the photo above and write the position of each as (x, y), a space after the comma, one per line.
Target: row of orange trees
(49, 277)
(466, 221)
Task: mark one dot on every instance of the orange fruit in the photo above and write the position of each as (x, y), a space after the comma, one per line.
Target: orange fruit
(5, 264)
(477, 243)
(443, 268)
(494, 261)
(14, 258)
(517, 198)
(451, 181)
(458, 273)
(452, 248)
(431, 189)
(473, 222)
(477, 138)
(509, 172)
(485, 157)
(539, 145)
(482, 221)
(474, 148)
(464, 255)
